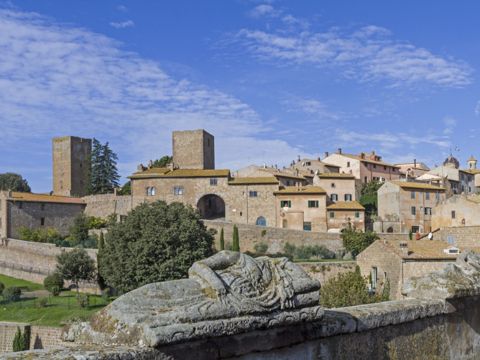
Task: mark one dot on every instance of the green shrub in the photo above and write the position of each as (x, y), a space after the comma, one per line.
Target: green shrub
(222, 240)
(2, 287)
(235, 239)
(307, 252)
(42, 302)
(261, 248)
(83, 300)
(19, 341)
(355, 241)
(96, 222)
(43, 235)
(53, 283)
(12, 294)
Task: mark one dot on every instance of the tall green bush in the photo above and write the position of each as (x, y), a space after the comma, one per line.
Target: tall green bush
(236, 239)
(222, 239)
(355, 241)
(53, 283)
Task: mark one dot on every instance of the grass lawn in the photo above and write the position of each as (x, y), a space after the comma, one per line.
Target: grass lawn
(24, 284)
(59, 309)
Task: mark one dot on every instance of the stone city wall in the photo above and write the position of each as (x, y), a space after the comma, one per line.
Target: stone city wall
(103, 206)
(41, 337)
(33, 261)
(324, 271)
(275, 238)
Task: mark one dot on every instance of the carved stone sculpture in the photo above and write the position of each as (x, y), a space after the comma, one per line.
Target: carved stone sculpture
(461, 278)
(225, 294)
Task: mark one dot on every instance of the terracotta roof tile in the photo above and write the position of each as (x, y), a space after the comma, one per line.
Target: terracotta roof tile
(416, 185)
(335, 176)
(180, 173)
(254, 181)
(30, 197)
(294, 190)
(346, 205)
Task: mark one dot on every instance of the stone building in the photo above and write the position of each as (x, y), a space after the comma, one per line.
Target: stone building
(412, 170)
(407, 206)
(313, 166)
(37, 211)
(398, 261)
(339, 187)
(454, 179)
(193, 149)
(457, 210)
(343, 214)
(364, 167)
(285, 177)
(71, 165)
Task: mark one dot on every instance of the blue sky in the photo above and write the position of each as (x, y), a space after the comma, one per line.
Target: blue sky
(270, 79)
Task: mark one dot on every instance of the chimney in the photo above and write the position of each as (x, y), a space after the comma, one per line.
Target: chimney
(403, 247)
(362, 155)
(339, 151)
(414, 163)
(326, 154)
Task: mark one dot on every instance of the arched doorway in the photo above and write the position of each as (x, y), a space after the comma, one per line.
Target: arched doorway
(261, 221)
(211, 207)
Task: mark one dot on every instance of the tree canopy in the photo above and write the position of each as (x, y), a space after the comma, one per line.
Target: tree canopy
(155, 242)
(14, 182)
(163, 161)
(76, 266)
(368, 197)
(104, 175)
(356, 241)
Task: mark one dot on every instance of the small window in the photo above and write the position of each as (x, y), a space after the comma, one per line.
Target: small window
(151, 191)
(42, 206)
(427, 196)
(178, 190)
(42, 221)
(415, 229)
(348, 197)
(313, 203)
(213, 182)
(437, 196)
(307, 226)
(453, 214)
(285, 204)
(334, 197)
(384, 168)
(332, 185)
(357, 214)
(365, 179)
(413, 210)
(412, 195)
(252, 194)
(261, 221)
(331, 214)
(374, 277)
(374, 166)
(428, 211)
(348, 163)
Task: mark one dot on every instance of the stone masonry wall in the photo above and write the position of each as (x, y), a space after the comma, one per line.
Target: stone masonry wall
(41, 337)
(107, 204)
(275, 238)
(324, 271)
(465, 236)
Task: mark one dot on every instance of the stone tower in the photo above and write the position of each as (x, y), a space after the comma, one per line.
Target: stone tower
(71, 159)
(472, 163)
(193, 149)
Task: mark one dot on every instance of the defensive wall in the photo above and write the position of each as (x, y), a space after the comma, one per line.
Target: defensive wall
(34, 261)
(107, 204)
(41, 337)
(325, 270)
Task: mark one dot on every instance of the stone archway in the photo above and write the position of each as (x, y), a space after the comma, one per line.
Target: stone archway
(211, 207)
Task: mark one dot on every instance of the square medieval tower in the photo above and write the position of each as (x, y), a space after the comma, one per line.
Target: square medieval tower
(71, 165)
(193, 149)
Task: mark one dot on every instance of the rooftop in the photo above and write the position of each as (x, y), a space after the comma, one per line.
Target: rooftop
(335, 176)
(417, 186)
(179, 173)
(425, 249)
(300, 190)
(346, 205)
(368, 160)
(45, 198)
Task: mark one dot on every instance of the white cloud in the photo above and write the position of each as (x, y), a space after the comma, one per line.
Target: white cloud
(58, 80)
(264, 10)
(122, 24)
(449, 125)
(122, 8)
(310, 106)
(367, 54)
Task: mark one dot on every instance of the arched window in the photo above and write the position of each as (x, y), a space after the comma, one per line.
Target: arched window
(151, 191)
(261, 221)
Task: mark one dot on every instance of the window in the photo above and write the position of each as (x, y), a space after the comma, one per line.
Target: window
(428, 211)
(415, 229)
(357, 214)
(384, 168)
(348, 163)
(437, 196)
(313, 203)
(412, 195)
(334, 197)
(413, 210)
(42, 206)
(374, 166)
(20, 205)
(307, 226)
(331, 214)
(261, 221)
(453, 214)
(42, 221)
(151, 191)
(178, 190)
(365, 180)
(348, 197)
(285, 204)
(332, 185)
(427, 196)
(213, 182)
(252, 194)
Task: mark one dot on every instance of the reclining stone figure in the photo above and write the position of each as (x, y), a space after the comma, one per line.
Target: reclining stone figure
(228, 293)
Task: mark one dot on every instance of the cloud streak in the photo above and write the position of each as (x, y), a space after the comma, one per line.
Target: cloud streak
(122, 24)
(368, 54)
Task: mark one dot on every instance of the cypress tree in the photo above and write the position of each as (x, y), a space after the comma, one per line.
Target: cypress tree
(101, 248)
(236, 239)
(222, 240)
(18, 341)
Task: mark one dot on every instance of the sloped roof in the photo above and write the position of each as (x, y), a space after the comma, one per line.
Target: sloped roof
(30, 197)
(335, 176)
(346, 205)
(294, 190)
(417, 186)
(254, 181)
(179, 173)
(425, 249)
(367, 160)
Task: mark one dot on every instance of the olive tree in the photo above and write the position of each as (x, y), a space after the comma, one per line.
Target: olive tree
(76, 266)
(155, 242)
